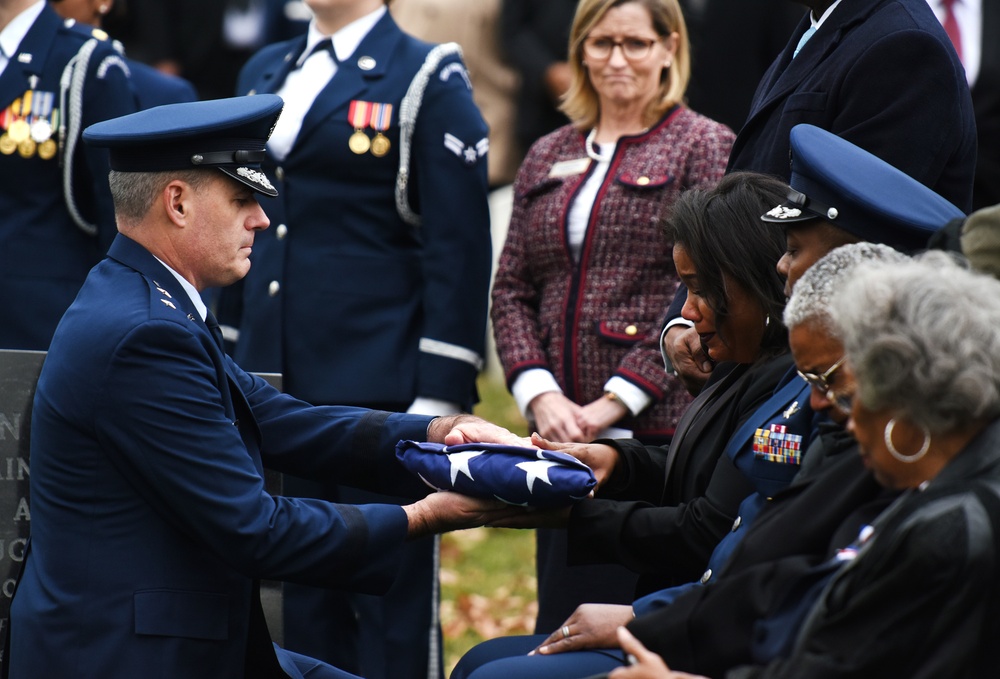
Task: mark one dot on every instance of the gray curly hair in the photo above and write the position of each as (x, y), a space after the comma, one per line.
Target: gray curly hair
(811, 297)
(923, 337)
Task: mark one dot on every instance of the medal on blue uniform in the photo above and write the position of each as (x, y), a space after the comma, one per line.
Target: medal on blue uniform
(358, 115)
(775, 444)
(380, 119)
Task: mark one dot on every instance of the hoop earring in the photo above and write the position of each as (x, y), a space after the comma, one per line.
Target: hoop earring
(908, 459)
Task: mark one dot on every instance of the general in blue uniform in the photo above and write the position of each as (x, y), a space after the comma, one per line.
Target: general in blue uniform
(151, 524)
(56, 218)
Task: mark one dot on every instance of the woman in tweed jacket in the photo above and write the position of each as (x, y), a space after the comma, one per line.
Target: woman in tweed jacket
(585, 275)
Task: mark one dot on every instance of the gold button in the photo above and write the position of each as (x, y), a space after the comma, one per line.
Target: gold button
(274, 288)
(281, 231)
(642, 181)
(631, 330)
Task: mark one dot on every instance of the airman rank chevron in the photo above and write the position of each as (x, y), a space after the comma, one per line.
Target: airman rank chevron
(774, 444)
(469, 154)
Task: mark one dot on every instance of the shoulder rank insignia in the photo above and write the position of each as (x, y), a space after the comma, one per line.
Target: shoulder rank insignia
(168, 303)
(469, 154)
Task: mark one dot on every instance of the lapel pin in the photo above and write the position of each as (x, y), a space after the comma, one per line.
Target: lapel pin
(366, 63)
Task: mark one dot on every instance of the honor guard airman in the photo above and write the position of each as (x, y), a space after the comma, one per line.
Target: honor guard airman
(371, 286)
(57, 78)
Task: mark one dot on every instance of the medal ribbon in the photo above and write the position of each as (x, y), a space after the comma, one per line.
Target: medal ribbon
(359, 114)
(381, 116)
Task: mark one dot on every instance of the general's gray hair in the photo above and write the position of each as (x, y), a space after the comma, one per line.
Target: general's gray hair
(924, 339)
(134, 192)
(810, 300)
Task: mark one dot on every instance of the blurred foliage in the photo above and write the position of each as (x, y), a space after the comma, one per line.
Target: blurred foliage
(488, 574)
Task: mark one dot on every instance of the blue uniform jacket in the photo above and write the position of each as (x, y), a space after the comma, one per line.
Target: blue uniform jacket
(150, 521)
(44, 255)
(348, 301)
(856, 78)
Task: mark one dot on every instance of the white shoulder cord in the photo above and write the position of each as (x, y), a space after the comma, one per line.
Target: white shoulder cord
(408, 110)
(74, 77)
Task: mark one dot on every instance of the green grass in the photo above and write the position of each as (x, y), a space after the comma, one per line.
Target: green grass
(487, 575)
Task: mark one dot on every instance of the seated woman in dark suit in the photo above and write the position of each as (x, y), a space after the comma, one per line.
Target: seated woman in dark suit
(661, 511)
(916, 595)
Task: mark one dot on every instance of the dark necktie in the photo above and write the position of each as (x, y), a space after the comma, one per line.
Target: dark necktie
(213, 327)
(324, 45)
(950, 24)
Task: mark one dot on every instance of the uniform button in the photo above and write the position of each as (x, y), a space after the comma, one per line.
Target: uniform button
(737, 522)
(706, 576)
(281, 231)
(279, 173)
(642, 181)
(274, 288)
(631, 330)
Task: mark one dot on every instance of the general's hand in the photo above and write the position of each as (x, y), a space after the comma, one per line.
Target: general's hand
(598, 415)
(601, 458)
(590, 626)
(444, 511)
(556, 417)
(647, 665)
(683, 347)
(453, 430)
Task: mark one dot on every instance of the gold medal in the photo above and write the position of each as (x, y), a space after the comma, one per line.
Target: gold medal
(359, 142)
(380, 145)
(27, 148)
(19, 130)
(47, 149)
(7, 145)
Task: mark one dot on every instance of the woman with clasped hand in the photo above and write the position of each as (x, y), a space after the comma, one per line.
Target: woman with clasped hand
(916, 595)
(586, 275)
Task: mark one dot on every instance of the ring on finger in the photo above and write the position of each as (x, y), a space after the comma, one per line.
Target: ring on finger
(565, 631)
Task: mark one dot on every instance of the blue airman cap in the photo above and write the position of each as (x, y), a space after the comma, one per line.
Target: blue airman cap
(228, 134)
(834, 180)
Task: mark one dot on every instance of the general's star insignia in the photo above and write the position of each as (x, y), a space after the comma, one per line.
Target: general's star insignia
(168, 303)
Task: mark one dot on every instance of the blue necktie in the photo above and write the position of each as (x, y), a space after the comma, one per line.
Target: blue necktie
(803, 40)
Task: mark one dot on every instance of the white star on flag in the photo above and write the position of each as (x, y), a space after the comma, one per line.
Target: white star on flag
(537, 469)
(460, 463)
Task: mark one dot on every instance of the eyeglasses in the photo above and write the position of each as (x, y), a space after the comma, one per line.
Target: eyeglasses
(821, 383)
(842, 402)
(634, 49)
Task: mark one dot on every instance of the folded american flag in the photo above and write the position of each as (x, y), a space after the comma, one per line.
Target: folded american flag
(528, 477)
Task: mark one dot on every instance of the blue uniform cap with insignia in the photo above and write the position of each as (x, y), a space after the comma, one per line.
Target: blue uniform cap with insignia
(228, 134)
(852, 189)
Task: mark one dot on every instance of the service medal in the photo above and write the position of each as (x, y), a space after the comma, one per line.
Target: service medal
(19, 130)
(41, 130)
(7, 145)
(358, 114)
(359, 142)
(380, 145)
(47, 149)
(27, 148)
(381, 116)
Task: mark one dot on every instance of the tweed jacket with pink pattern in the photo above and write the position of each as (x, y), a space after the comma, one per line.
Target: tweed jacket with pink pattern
(586, 321)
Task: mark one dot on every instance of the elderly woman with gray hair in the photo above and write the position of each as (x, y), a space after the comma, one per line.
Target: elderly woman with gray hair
(916, 595)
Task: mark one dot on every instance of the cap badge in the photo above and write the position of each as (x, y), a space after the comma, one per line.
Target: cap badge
(782, 212)
(255, 176)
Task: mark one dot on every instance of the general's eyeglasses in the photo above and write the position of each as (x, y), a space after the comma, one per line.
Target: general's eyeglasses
(634, 49)
(821, 383)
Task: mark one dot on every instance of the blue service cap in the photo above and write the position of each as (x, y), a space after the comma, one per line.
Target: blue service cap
(228, 134)
(835, 180)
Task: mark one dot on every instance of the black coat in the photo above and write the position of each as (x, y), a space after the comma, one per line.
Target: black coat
(986, 105)
(855, 78)
(670, 510)
(921, 599)
(711, 628)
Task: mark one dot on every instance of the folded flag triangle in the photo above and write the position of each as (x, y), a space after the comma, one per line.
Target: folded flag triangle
(529, 477)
